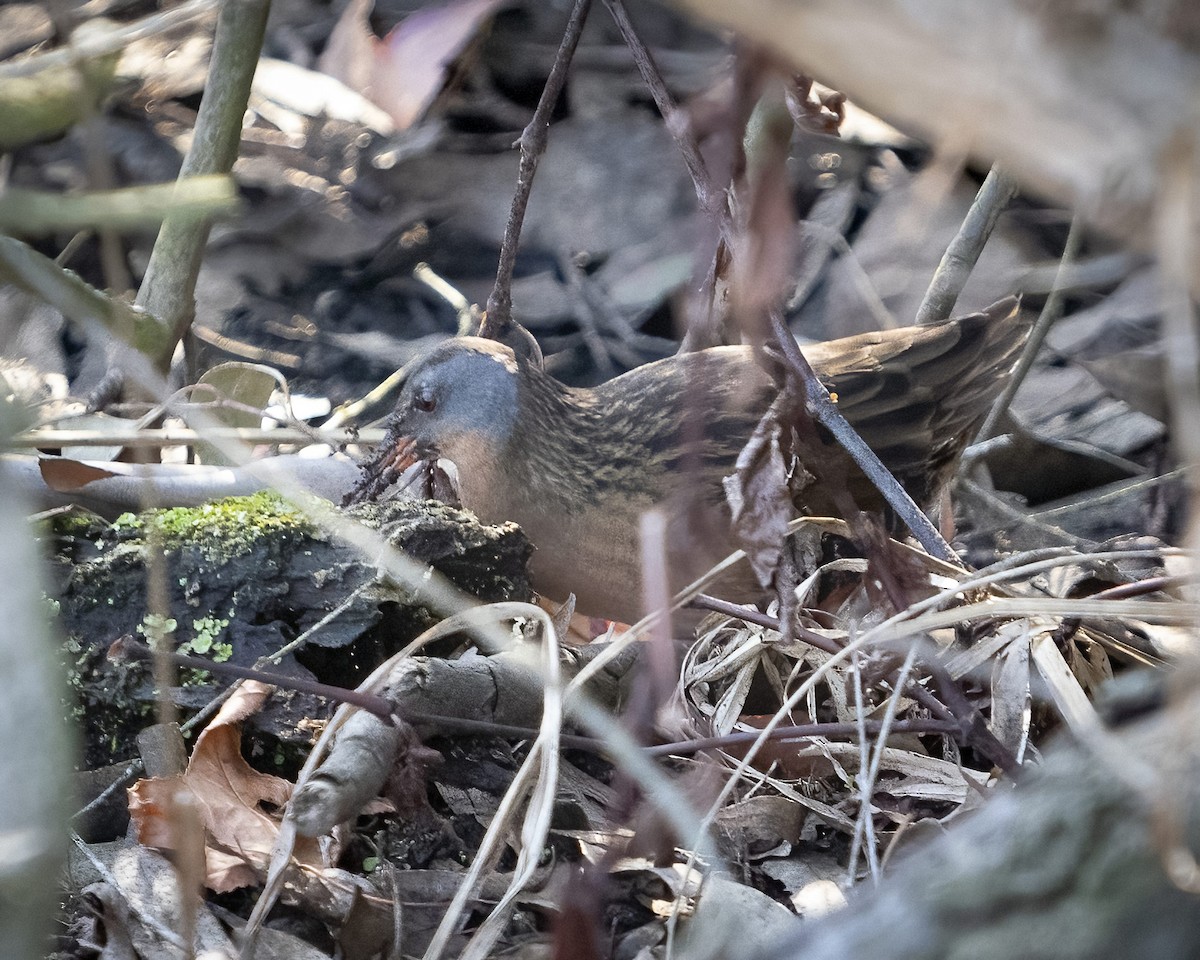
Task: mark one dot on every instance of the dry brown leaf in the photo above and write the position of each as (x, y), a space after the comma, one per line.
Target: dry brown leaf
(351, 49)
(759, 826)
(240, 806)
(759, 498)
(66, 476)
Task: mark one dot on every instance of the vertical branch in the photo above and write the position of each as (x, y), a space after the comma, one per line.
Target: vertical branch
(1051, 311)
(711, 198)
(964, 250)
(498, 320)
(168, 290)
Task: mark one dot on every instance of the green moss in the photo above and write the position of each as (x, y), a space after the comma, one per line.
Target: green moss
(76, 523)
(204, 642)
(221, 529)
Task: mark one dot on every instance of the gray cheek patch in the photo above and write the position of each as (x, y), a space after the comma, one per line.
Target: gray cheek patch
(479, 394)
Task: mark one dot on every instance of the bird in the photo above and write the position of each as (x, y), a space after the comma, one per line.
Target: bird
(577, 468)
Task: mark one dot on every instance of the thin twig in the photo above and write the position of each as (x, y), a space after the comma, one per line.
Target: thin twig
(468, 316)
(705, 602)
(887, 726)
(49, 437)
(802, 731)
(585, 315)
(101, 43)
(880, 314)
(201, 716)
(1139, 588)
(964, 250)
(1139, 485)
(1012, 519)
(708, 310)
(822, 409)
(131, 648)
(1051, 311)
(498, 319)
(374, 704)
(134, 770)
(712, 199)
(864, 823)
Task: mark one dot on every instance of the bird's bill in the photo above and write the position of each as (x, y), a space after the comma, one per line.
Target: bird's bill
(401, 455)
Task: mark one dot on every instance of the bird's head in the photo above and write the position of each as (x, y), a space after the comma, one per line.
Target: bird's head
(459, 401)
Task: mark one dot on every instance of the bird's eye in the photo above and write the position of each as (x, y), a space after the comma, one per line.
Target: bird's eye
(424, 400)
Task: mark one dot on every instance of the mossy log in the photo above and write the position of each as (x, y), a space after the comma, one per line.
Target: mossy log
(243, 577)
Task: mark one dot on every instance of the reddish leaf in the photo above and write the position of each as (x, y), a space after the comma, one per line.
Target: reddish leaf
(411, 63)
(350, 54)
(405, 71)
(66, 476)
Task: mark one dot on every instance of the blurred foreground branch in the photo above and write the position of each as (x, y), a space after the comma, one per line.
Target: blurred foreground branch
(1078, 102)
(1089, 859)
(35, 765)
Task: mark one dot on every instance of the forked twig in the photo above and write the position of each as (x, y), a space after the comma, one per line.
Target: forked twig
(498, 320)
